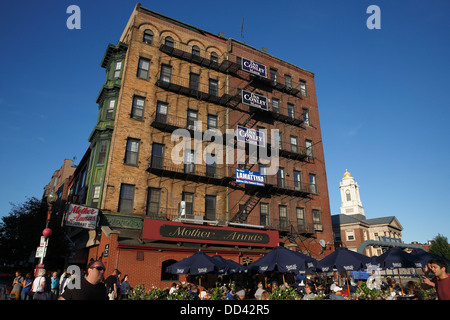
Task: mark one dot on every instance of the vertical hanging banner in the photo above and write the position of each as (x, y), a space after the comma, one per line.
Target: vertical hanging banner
(83, 217)
(254, 67)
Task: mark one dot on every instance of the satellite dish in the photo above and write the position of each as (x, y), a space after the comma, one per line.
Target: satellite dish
(322, 243)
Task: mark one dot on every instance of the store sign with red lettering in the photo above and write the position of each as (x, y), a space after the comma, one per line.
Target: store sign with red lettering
(83, 217)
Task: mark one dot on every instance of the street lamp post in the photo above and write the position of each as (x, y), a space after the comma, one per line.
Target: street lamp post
(47, 232)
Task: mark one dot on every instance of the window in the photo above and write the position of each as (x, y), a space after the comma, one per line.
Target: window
(95, 196)
(297, 180)
(348, 196)
(283, 217)
(148, 36)
(281, 178)
(294, 147)
(157, 160)
(303, 87)
(110, 109)
(211, 168)
(212, 121)
(166, 276)
(117, 67)
(264, 214)
(288, 81)
(102, 148)
(301, 219)
(188, 198)
(194, 81)
(132, 151)
(168, 41)
(309, 149)
(153, 201)
(189, 161)
(210, 207)
(306, 116)
(275, 105)
(161, 112)
(350, 235)
(273, 76)
(317, 220)
(143, 68)
(279, 138)
(312, 182)
(166, 73)
(213, 87)
(196, 51)
(263, 171)
(192, 116)
(137, 110)
(291, 110)
(214, 57)
(126, 198)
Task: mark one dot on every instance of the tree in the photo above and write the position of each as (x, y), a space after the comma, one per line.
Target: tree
(440, 247)
(20, 234)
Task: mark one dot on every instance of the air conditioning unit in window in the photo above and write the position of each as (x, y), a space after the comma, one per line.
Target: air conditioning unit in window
(318, 227)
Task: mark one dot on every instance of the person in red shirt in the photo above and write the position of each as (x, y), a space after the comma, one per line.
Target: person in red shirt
(439, 268)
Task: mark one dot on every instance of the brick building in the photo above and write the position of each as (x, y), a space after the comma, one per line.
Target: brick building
(164, 189)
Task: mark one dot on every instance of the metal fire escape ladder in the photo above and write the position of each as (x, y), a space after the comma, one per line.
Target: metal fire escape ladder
(247, 208)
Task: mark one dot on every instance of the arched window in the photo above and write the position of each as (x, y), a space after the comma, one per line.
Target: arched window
(196, 51)
(214, 57)
(148, 36)
(165, 276)
(349, 197)
(168, 41)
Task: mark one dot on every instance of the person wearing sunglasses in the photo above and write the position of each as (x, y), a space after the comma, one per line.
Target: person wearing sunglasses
(91, 287)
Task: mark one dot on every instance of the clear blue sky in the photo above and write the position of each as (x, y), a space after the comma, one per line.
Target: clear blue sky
(383, 95)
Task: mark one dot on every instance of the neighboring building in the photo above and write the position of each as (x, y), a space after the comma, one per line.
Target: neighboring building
(60, 184)
(353, 230)
(163, 76)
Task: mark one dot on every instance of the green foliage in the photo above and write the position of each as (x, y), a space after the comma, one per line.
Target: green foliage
(282, 293)
(217, 293)
(440, 247)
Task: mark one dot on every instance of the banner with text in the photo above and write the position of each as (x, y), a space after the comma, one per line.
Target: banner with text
(254, 67)
(83, 217)
(254, 100)
(249, 177)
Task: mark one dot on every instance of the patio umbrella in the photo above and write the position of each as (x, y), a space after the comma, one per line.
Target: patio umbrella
(343, 259)
(421, 257)
(231, 266)
(197, 264)
(395, 258)
(283, 260)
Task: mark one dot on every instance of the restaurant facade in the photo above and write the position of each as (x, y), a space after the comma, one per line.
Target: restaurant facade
(203, 143)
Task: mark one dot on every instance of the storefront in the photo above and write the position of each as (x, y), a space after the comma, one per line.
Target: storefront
(145, 254)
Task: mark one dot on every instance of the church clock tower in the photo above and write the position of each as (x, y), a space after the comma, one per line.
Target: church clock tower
(350, 199)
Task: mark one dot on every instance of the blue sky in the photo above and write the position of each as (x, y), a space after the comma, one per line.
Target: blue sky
(383, 94)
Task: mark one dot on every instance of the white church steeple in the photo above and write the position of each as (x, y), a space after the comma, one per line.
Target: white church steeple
(350, 199)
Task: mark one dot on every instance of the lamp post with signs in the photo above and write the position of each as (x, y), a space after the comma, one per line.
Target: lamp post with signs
(46, 233)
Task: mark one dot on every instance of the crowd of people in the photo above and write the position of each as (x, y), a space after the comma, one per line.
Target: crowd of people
(94, 285)
(52, 285)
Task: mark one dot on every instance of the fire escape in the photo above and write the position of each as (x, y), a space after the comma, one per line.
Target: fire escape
(274, 185)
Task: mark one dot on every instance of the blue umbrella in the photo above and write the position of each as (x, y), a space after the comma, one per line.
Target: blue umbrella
(231, 266)
(394, 258)
(343, 259)
(197, 264)
(421, 257)
(283, 260)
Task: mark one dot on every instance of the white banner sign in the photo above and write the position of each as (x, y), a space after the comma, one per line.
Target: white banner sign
(83, 217)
